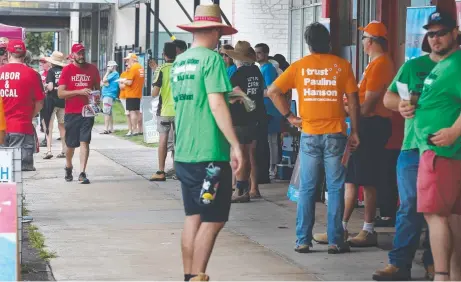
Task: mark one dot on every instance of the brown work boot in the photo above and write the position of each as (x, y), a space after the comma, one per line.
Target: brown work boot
(392, 273)
(322, 238)
(201, 277)
(430, 272)
(364, 239)
(244, 198)
(158, 176)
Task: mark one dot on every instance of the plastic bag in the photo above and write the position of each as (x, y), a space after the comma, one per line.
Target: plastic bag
(249, 104)
(93, 108)
(293, 188)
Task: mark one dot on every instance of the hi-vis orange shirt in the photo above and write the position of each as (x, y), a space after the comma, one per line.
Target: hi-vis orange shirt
(2, 116)
(136, 74)
(123, 91)
(321, 81)
(377, 77)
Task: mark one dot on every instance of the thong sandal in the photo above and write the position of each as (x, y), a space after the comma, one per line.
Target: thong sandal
(442, 273)
(61, 156)
(105, 132)
(48, 155)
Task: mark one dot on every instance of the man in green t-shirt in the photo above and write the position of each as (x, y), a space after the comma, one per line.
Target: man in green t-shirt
(205, 136)
(166, 113)
(409, 223)
(438, 137)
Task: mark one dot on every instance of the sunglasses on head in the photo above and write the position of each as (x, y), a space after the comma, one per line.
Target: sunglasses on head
(438, 33)
(2, 51)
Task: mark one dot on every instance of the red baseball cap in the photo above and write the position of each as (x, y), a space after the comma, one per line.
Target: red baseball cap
(16, 46)
(77, 48)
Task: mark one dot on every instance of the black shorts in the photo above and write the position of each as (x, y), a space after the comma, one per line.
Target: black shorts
(365, 167)
(133, 104)
(191, 176)
(78, 129)
(245, 134)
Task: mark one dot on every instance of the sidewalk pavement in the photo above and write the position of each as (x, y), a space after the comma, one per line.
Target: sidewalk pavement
(122, 227)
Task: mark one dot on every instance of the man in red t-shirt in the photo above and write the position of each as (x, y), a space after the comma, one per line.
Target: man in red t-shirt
(76, 83)
(3, 54)
(22, 99)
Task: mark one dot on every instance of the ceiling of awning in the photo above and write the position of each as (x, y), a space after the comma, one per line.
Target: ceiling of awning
(59, 8)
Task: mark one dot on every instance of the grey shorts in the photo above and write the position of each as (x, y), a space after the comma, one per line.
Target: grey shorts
(27, 143)
(165, 125)
(245, 134)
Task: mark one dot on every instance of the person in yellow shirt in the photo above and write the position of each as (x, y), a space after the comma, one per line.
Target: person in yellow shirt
(2, 123)
(321, 79)
(133, 87)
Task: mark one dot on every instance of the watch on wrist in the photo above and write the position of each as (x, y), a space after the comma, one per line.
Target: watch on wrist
(288, 115)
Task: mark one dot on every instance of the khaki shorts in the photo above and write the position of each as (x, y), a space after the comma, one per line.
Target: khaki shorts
(165, 125)
(59, 112)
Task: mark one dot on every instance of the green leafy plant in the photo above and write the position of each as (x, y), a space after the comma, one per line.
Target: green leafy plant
(39, 43)
(37, 241)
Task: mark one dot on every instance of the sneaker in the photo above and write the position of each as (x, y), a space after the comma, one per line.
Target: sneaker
(201, 277)
(158, 176)
(384, 222)
(244, 198)
(69, 177)
(129, 134)
(364, 239)
(391, 273)
(333, 249)
(322, 238)
(82, 178)
(303, 249)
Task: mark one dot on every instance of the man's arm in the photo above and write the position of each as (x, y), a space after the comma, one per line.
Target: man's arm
(2, 136)
(64, 94)
(353, 105)
(221, 113)
(37, 108)
(371, 99)
(392, 101)
(281, 104)
(49, 86)
(155, 91)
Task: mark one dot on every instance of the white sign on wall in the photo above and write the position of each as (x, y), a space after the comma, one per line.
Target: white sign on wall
(6, 166)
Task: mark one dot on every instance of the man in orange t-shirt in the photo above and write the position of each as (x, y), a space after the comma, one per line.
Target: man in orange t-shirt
(2, 122)
(365, 165)
(134, 84)
(321, 80)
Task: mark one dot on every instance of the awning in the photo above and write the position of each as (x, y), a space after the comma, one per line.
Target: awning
(12, 32)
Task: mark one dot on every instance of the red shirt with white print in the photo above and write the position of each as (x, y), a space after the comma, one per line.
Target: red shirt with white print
(77, 78)
(43, 76)
(20, 88)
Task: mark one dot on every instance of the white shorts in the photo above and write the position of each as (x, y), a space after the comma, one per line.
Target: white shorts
(107, 105)
(124, 106)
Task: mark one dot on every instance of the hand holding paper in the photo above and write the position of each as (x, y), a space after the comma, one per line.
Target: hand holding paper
(404, 93)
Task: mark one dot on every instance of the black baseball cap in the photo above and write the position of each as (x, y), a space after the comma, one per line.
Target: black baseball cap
(441, 18)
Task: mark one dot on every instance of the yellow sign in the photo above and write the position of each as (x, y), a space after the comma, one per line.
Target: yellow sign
(18, 4)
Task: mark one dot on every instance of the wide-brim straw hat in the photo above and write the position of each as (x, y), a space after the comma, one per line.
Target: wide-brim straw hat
(208, 16)
(242, 52)
(57, 58)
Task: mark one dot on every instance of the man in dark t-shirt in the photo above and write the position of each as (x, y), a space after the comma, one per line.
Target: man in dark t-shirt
(249, 80)
(57, 61)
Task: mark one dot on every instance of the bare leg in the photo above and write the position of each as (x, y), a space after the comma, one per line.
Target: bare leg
(162, 151)
(106, 122)
(134, 121)
(203, 245)
(244, 174)
(69, 157)
(370, 203)
(50, 133)
(350, 198)
(441, 244)
(111, 123)
(455, 264)
(128, 120)
(140, 122)
(84, 154)
(62, 134)
(254, 188)
(191, 226)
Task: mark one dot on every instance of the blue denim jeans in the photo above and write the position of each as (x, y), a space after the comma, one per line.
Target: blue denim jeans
(409, 222)
(318, 150)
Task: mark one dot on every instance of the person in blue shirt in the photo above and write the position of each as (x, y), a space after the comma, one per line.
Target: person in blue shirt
(231, 68)
(269, 73)
(110, 91)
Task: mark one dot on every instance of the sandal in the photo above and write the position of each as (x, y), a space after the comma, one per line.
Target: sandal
(48, 156)
(61, 155)
(105, 132)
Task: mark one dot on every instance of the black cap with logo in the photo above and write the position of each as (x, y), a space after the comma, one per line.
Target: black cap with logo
(441, 18)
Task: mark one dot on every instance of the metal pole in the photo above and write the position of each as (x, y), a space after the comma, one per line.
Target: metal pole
(136, 26)
(148, 26)
(156, 28)
(216, 2)
(184, 10)
(196, 3)
(224, 17)
(163, 25)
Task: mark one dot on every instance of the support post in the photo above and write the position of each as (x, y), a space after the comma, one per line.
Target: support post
(136, 26)
(148, 26)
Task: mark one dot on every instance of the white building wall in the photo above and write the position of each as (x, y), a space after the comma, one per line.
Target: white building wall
(262, 21)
